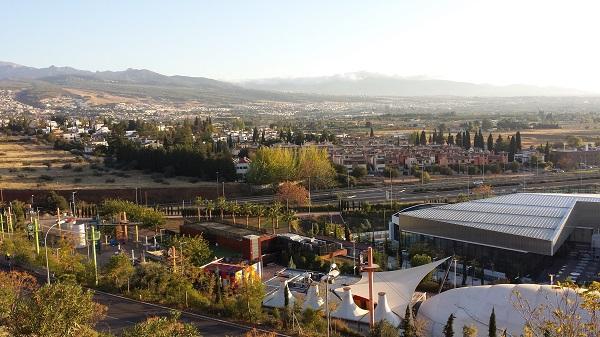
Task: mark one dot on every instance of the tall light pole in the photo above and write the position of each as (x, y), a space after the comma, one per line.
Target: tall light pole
(46, 247)
(73, 199)
(455, 260)
(331, 275)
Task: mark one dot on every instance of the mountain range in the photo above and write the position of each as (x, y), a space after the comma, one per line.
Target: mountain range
(373, 84)
(146, 83)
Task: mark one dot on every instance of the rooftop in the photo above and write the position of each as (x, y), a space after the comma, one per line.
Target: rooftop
(540, 216)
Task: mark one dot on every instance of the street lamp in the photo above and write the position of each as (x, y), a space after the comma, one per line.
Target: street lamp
(331, 275)
(46, 247)
(73, 199)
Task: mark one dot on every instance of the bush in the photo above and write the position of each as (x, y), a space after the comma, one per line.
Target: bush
(358, 172)
(67, 166)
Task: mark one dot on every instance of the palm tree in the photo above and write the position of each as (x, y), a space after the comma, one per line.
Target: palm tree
(247, 210)
(210, 206)
(222, 205)
(289, 216)
(234, 208)
(199, 202)
(274, 214)
(259, 211)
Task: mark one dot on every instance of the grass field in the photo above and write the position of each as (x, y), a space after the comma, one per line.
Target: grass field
(25, 165)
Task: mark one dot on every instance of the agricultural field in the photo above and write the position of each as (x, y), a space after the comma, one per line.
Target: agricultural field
(27, 165)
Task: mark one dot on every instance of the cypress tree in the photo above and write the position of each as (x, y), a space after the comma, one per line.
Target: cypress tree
(547, 151)
(450, 140)
(372, 133)
(518, 141)
(263, 136)
(458, 140)
(435, 136)
(423, 138)
(467, 140)
(449, 327)
(511, 149)
(490, 142)
(407, 324)
(255, 134)
(492, 324)
(417, 139)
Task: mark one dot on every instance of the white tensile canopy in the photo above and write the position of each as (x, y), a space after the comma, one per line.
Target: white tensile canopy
(312, 300)
(399, 285)
(348, 310)
(277, 298)
(473, 306)
(383, 311)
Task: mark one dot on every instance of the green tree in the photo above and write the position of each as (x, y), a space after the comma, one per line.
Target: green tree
(358, 171)
(222, 205)
(196, 249)
(449, 327)
(57, 310)
(407, 324)
(148, 217)
(54, 201)
(210, 207)
(162, 327)
(118, 271)
(314, 163)
(492, 324)
(247, 300)
(384, 328)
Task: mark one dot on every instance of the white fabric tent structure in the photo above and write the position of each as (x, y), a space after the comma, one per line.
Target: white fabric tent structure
(473, 305)
(399, 285)
(312, 300)
(348, 310)
(277, 298)
(383, 311)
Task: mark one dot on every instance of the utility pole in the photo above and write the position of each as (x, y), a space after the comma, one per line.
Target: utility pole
(93, 240)
(74, 207)
(2, 225)
(36, 228)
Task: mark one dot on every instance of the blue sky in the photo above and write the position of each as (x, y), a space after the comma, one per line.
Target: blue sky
(500, 42)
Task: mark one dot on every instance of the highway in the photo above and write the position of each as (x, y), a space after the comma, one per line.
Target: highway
(440, 189)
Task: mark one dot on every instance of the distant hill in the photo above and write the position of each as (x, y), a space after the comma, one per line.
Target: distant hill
(142, 83)
(370, 84)
(135, 83)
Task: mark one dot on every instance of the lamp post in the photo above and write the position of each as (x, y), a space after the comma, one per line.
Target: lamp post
(46, 248)
(455, 260)
(331, 275)
(73, 199)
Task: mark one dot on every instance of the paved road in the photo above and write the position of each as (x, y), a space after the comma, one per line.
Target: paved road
(452, 186)
(124, 312)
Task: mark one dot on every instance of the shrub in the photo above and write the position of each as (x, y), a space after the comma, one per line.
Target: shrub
(67, 166)
(46, 177)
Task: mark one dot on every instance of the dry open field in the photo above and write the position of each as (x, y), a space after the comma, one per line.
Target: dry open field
(537, 137)
(99, 98)
(25, 165)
